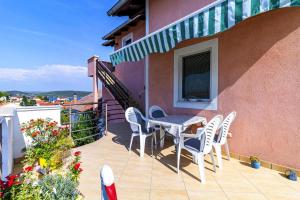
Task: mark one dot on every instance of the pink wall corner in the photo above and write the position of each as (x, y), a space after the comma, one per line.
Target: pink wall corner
(259, 70)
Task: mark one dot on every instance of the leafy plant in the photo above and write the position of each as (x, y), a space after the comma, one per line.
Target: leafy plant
(83, 128)
(49, 142)
(75, 168)
(254, 159)
(58, 187)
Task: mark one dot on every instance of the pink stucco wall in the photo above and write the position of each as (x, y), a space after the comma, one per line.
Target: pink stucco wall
(259, 70)
(162, 13)
(132, 74)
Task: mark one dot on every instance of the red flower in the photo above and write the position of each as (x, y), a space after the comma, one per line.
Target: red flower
(55, 132)
(77, 166)
(34, 134)
(77, 153)
(1, 194)
(28, 169)
(11, 180)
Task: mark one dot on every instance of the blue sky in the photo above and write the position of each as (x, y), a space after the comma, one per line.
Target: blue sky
(44, 44)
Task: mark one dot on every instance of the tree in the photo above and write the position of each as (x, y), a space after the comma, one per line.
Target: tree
(27, 102)
(4, 94)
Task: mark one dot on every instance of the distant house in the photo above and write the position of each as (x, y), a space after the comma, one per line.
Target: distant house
(84, 103)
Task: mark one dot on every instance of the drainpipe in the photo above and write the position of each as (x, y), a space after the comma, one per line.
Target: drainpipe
(147, 65)
(92, 72)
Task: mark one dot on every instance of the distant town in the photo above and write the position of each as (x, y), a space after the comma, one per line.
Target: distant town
(41, 98)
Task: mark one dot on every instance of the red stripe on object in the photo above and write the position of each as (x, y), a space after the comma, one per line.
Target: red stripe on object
(111, 192)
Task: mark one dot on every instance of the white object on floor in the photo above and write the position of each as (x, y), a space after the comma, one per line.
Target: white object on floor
(200, 144)
(140, 127)
(222, 138)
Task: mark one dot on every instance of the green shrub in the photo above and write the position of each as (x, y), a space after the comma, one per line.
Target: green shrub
(58, 187)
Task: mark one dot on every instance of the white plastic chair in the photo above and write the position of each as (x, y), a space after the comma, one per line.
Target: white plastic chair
(157, 112)
(200, 144)
(140, 127)
(221, 138)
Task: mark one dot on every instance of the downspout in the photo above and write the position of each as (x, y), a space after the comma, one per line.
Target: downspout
(147, 64)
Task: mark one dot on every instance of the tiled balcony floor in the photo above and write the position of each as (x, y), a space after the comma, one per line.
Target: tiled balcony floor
(156, 177)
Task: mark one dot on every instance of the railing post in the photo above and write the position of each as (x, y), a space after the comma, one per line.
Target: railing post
(106, 125)
(70, 120)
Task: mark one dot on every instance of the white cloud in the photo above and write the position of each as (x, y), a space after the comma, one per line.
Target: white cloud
(47, 77)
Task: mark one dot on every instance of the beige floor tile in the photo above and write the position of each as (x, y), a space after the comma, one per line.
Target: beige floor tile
(167, 183)
(168, 194)
(138, 182)
(272, 187)
(237, 186)
(207, 195)
(133, 194)
(283, 196)
(245, 196)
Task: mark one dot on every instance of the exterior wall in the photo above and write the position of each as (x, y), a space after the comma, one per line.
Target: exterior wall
(162, 13)
(259, 69)
(132, 74)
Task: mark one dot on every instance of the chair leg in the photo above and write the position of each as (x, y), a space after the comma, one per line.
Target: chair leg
(178, 156)
(142, 145)
(227, 150)
(201, 168)
(211, 153)
(155, 140)
(152, 138)
(132, 136)
(219, 155)
(162, 137)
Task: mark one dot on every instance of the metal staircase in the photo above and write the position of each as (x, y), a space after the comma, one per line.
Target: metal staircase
(115, 86)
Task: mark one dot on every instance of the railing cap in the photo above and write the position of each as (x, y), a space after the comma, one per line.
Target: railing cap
(93, 58)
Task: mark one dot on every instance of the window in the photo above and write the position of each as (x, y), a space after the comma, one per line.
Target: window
(126, 40)
(196, 76)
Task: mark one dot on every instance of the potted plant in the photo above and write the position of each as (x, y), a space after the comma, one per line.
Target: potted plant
(255, 162)
(291, 174)
(49, 143)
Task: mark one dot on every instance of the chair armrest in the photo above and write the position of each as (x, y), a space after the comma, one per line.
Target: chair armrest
(137, 124)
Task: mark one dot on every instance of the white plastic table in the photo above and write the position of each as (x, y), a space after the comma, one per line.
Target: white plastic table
(179, 121)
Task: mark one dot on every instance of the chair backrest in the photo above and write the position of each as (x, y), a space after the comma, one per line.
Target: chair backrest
(133, 115)
(224, 128)
(156, 112)
(210, 130)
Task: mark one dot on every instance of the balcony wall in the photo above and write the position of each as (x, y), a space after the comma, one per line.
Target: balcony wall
(13, 141)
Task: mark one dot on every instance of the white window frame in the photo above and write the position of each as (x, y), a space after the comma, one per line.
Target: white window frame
(127, 37)
(212, 103)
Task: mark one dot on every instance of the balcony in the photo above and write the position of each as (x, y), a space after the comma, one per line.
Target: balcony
(156, 177)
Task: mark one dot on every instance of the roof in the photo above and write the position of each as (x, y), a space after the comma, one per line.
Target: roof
(127, 8)
(108, 43)
(123, 27)
(86, 99)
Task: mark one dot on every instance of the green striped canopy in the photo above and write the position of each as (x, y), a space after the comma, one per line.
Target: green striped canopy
(214, 18)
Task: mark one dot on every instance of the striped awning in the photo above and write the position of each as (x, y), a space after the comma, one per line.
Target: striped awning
(214, 18)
